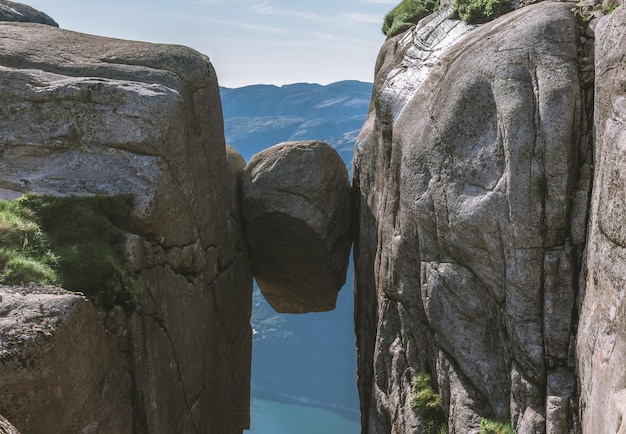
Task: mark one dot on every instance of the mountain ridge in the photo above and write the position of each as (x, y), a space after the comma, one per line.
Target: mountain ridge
(259, 116)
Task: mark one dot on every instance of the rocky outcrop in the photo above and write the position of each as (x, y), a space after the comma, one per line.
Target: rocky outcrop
(11, 11)
(84, 115)
(58, 358)
(471, 182)
(602, 337)
(296, 202)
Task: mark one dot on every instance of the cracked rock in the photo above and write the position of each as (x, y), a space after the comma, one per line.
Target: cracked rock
(601, 341)
(464, 176)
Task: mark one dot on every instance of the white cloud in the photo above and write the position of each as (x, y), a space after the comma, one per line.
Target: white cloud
(265, 29)
(207, 2)
(358, 18)
(266, 8)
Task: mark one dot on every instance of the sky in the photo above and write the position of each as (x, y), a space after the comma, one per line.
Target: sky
(248, 41)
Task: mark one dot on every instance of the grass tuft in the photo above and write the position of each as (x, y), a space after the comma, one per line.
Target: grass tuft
(69, 241)
(406, 15)
(488, 426)
(481, 11)
(427, 404)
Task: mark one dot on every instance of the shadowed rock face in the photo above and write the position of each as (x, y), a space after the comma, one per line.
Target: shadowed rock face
(58, 358)
(84, 115)
(11, 11)
(602, 336)
(466, 177)
(296, 203)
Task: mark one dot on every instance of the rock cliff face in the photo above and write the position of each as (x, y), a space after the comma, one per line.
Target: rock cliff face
(602, 337)
(84, 115)
(61, 369)
(471, 180)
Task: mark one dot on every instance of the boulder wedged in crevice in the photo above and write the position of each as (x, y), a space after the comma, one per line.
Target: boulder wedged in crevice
(296, 208)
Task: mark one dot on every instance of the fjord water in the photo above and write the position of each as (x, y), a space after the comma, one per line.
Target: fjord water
(271, 417)
(304, 369)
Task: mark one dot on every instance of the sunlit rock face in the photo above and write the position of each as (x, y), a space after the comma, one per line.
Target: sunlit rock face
(6, 427)
(471, 179)
(602, 336)
(296, 208)
(85, 115)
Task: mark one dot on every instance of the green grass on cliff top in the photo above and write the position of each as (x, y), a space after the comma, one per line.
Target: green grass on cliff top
(73, 242)
(406, 15)
(409, 12)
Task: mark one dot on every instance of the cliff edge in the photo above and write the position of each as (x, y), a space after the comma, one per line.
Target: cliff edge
(90, 116)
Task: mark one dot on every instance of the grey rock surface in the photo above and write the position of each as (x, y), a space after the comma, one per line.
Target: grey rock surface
(85, 115)
(62, 371)
(467, 253)
(601, 341)
(296, 207)
(11, 11)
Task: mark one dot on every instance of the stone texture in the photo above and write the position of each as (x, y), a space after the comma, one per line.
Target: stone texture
(467, 252)
(11, 11)
(89, 115)
(61, 370)
(601, 347)
(6, 427)
(296, 203)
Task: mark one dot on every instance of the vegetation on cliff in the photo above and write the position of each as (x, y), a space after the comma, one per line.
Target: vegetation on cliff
(481, 11)
(427, 404)
(410, 12)
(488, 426)
(407, 14)
(73, 242)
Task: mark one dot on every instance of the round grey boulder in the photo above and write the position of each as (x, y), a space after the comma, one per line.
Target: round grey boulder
(296, 208)
(11, 11)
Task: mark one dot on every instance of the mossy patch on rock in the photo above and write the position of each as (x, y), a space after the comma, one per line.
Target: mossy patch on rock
(426, 402)
(488, 426)
(481, 11)
(69, 241)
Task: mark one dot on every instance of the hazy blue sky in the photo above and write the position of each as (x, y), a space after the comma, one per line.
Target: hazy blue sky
(248, 41)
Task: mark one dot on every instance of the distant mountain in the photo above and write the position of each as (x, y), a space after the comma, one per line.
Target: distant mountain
(260, 116)
(309, 359)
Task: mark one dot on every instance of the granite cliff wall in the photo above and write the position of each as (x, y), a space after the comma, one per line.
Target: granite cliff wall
(474, 261)
(471, 180)
(601, 337)
(84, 115)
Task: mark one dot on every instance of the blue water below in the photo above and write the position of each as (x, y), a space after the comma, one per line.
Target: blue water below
(271, 417)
